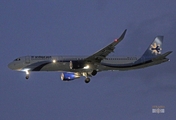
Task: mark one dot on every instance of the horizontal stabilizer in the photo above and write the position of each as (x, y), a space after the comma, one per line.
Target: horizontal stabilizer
(162, 56)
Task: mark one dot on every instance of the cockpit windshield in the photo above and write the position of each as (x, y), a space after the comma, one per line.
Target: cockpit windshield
(18, 59)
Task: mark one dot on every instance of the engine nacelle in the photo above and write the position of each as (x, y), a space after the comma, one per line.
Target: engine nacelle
(76, 64)
(68, 76)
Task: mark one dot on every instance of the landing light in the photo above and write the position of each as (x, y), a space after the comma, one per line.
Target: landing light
(87, 67)
(54, 61)
(26, 70)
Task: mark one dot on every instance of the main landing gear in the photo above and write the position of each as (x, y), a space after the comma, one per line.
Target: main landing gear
(87, 80)
(85, 74)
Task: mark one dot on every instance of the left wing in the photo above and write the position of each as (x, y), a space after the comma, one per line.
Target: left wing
(101, 54)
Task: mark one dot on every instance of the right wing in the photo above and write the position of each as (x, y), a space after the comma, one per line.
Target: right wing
(101, 54)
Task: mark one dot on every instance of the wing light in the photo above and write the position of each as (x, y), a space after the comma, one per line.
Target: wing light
(116, 40)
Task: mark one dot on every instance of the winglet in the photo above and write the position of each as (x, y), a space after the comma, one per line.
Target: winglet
(122, 36)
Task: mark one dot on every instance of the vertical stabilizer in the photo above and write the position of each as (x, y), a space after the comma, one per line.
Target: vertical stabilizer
(154, 49)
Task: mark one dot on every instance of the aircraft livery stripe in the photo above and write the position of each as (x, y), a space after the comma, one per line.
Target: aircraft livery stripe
(38, 68)
(127, 66)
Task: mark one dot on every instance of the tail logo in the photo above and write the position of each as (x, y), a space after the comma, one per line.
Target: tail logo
(155, 48)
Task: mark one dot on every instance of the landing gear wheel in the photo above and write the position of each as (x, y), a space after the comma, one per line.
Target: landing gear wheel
(87, 80)
(27, 74)
(27, 77)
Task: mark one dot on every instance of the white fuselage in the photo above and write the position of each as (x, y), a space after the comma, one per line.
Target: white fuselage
(62, 63)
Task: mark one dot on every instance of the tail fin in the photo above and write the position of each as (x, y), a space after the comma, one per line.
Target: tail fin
(154, 49)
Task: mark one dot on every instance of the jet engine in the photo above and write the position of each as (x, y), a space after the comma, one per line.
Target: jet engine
(76, 64)
(68, 76)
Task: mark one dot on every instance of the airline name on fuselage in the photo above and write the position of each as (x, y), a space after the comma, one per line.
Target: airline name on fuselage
(40, 57)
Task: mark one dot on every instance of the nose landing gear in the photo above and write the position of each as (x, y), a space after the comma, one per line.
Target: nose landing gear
(27, 75)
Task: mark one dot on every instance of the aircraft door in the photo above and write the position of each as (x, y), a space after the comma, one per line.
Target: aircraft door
(27, 59)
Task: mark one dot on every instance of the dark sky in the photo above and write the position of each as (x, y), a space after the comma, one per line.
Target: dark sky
(76, 27)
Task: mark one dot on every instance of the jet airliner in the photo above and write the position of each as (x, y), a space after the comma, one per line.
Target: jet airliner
(73, 67)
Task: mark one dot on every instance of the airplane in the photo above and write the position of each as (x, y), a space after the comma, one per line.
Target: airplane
(74, 67)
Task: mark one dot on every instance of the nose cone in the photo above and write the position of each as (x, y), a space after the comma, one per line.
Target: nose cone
(15, 66)
(11, 66)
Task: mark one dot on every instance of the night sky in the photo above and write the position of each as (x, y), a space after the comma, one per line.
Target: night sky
(76, 27)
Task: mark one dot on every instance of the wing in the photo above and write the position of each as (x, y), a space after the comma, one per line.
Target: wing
(101, 54)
